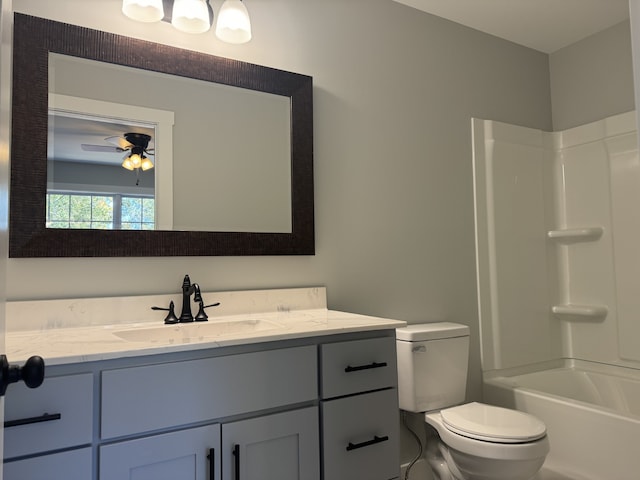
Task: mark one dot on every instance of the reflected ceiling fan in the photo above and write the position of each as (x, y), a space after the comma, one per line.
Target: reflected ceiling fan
(134, 144)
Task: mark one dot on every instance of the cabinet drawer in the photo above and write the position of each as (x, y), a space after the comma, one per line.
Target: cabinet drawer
(360, 437)
(358, 366)
(71, 465)
(152, 397)
(68, 405)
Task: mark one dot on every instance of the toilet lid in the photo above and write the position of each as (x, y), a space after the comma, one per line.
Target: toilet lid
(493, 424)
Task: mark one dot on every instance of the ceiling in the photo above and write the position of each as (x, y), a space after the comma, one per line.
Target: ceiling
(68, 134)
(544, 25)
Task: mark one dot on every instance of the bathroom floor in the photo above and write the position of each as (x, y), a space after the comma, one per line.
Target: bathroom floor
(546, 474)
(420, 471)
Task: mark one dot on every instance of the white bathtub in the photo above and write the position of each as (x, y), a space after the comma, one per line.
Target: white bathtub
(592, 413)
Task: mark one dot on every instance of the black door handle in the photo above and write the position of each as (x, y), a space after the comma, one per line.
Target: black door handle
(32, 373)
(236, 454)
(212, 463)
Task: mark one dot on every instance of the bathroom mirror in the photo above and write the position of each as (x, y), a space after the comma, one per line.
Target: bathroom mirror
(36, 40)
(231, 144)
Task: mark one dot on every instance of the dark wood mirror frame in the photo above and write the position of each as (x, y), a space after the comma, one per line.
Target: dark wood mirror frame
(34, 38)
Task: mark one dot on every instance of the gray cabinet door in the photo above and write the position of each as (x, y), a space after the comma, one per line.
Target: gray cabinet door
(281, 446)
(183, 455)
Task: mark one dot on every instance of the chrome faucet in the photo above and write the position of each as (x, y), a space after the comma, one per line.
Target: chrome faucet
(189, 289)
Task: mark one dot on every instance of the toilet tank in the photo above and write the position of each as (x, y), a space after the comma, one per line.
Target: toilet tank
(432, 365)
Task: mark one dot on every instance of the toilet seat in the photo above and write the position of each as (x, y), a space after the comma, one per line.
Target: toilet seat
(492, 424)
(496, 447)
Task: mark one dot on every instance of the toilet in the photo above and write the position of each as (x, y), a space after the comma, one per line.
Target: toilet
(470, 441)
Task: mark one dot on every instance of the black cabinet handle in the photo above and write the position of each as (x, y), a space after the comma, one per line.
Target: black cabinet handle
(212, 463)
(28, 421)
(236, 454)
(365, 367)
(376, 439)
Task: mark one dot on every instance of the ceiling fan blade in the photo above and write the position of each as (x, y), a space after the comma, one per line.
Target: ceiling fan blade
(101, 148)
(120, 142)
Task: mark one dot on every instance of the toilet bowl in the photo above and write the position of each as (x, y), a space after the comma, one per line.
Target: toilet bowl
(470, 441)
(483, 442)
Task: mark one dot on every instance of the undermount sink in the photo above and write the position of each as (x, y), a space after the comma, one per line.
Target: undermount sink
(197, 331)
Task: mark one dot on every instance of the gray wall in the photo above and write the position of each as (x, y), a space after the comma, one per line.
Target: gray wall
(394, 92)
(593, 78)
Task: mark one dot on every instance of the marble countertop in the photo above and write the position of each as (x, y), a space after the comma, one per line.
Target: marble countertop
(97, 339)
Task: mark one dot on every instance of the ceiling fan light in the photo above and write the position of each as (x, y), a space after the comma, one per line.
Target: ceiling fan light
(234, 24)
(136, 160)
(128, 164)
(147, 164)
(143, 10)
(191, 16)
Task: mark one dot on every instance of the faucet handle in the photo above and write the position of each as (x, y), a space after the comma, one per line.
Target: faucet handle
(202, 316)
(171, 316)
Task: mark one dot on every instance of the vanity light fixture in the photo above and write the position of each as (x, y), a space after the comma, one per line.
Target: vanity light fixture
(191, 16)
(234, 25)
(143, 10)
(194, 16)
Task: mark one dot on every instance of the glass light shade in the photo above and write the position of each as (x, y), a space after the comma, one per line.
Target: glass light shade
(143, 10)
(147, 164)
(234, 25)
(127, 163)
(136, 160)
(191, 16)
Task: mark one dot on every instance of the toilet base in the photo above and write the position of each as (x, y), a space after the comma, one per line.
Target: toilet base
(437, 461)
(449, 464)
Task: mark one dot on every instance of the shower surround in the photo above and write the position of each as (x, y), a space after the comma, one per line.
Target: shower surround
(557, 239)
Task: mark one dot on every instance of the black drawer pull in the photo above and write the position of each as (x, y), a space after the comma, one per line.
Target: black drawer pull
(28, 421)
(365, 367)
(376, 439)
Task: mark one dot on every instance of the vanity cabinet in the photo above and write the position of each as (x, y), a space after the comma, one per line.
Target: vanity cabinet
(303, 409)
(138, 400)
(281, 446)
(360, 413)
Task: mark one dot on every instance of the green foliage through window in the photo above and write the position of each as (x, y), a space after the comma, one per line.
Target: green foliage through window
(104, 212)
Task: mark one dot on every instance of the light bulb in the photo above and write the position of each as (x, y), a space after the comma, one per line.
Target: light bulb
(191, 16)
(143, 10)
(234, 25)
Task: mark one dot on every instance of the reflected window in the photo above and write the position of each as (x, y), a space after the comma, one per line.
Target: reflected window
(104, 211)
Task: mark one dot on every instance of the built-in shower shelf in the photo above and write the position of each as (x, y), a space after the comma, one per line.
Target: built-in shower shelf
(584, 311)
(570, 235)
